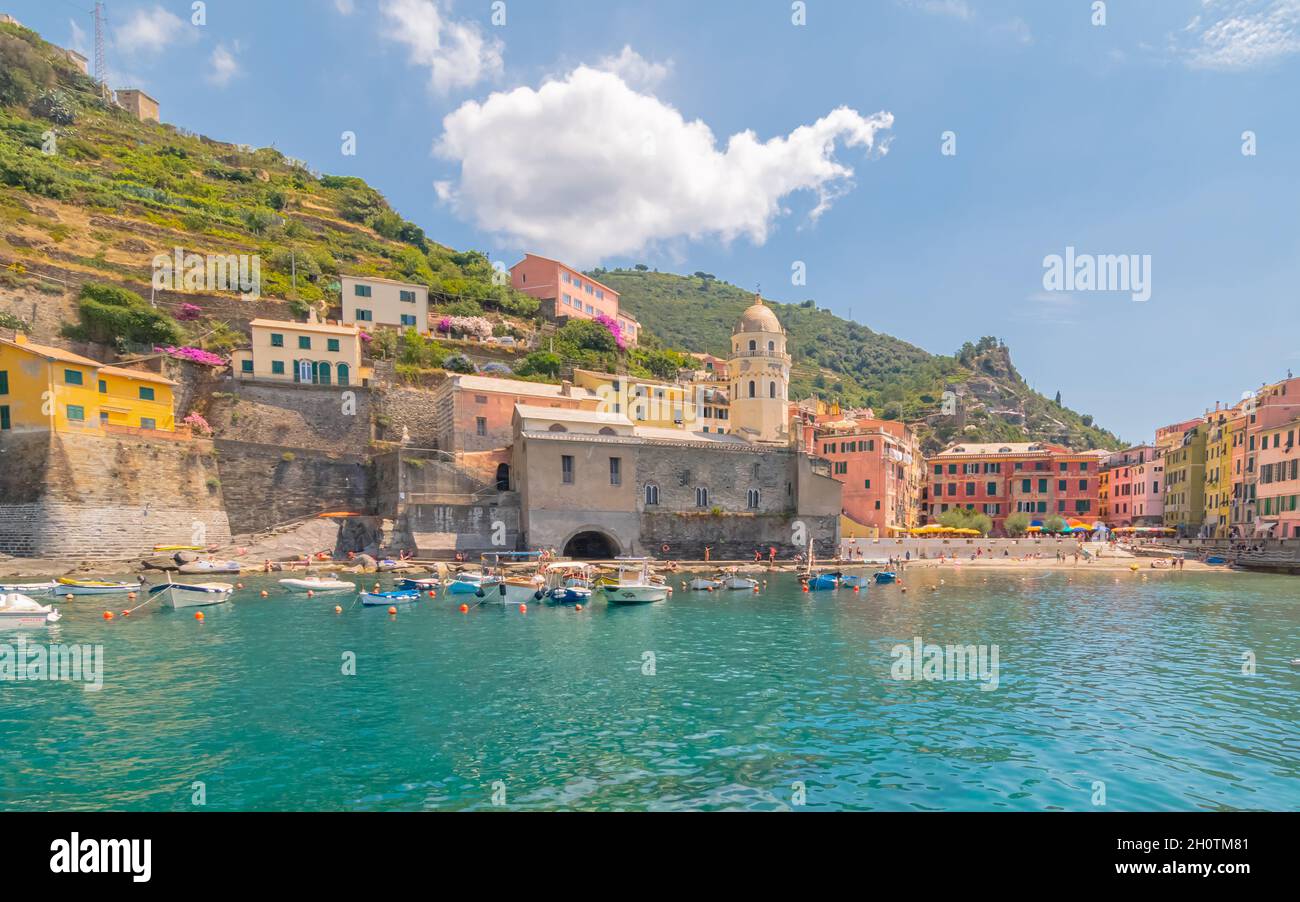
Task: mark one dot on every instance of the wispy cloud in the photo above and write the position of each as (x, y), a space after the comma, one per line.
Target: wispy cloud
(956, 9)
(1015, 28)
(634, 69)
(456, 52)
(148, 31)
(223, 65)
(1235, 35)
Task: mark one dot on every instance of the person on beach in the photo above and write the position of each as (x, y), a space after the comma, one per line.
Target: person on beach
(771, 554)
(707, 549)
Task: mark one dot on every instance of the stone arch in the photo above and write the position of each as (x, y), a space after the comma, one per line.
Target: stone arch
(591, 543)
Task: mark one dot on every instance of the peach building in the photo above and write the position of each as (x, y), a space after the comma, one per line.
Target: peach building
(1277, 501)
(476, 413)
(567, 293)
(1131, 485)
(138, 104)
(881, 467)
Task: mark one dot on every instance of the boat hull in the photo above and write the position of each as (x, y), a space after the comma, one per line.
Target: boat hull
(885, 578)
(17, 610)
(635, 594)
(210, 567)
(301, 585)
(822, 583)
(28, 588)
(89, 589)
(741, 582)
(569, 595)
(463, 587)
(377, 599)
(178, 597)
(704, 585)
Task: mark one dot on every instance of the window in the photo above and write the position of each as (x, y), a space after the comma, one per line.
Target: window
(753, 345)
(480, 425)
(148, 423)
(992, 488)
(361, 291)
(277, 367)
(751, 388)
(246, 366)
(1083, 485)
(72, 377)
(651, 494)
(565, 277)
(701, 497)
(616, 471)
(771, 389)
(751, 499)
(589, 309)
(4, 382)
(568, 301)
(866, 483)
(1062, 485)
(408, 319)
(103, 387)
(304, 342)
(1042, 486)
(4, 416)
(970, 489)
(146, 394)
(600, 295)
(332, 344)
(406, 296)
(76, 413)
(364, 316)
(277, 340)
(566, 469)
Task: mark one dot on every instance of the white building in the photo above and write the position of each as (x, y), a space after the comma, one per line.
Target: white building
(369, 301)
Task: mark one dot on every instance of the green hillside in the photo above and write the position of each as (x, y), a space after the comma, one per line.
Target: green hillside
(838, 359)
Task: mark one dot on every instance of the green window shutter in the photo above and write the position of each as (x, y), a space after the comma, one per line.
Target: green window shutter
(4, 417)
(332, 344)
(146, 394)
(277, 340)
(277, 367)
(304, 342)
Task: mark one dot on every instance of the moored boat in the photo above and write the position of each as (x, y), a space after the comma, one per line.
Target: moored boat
(69, 586)
(17, 609)
(318, 584)
(734, 580)
(211, 567)
(885, 576)
(855, 581)
(397, 596)
(819, 582)
(192, 595)
(466, 583)
(423, 584)
(28, 588)
(634, 584)
(701, 584)
(568, 583)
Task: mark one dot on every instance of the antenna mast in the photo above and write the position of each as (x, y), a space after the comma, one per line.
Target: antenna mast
(101, 67)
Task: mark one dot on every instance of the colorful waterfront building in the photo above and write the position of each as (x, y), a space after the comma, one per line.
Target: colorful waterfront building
(1130, 488)
(312, 353)
(566, 293)
(369, 302)
(1185, 482)
(1273, 405)
(880, 464)
(1278, 486)
(476, 413)
(1224, 427)
(1000, 479)
(687, 405)
(44, 387)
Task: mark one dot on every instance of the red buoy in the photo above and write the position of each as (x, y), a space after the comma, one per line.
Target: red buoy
(198, 615)
(108, 615)
(523, 609)
(464, 609)
(392, 611)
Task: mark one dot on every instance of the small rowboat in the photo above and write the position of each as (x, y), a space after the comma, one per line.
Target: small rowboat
(210, 567)
(740, 582)
(192, 595)
(19, 610)
(466, 583)
(70, 586)
(429, 584)
(822, 582)
(318, 584)
(700, 584)
(397, 596)
(885, 576)
(28, 588)
(855, 581)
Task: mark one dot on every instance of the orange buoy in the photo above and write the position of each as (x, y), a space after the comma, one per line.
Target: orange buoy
(577, 607)
(263, 593)
(464, 609)
(805, 588)
(392, 611)
(433, 594)
(338, 609)
(523, 609)
(857, 588)
(108, 615)
(198, 615)
(311, 593)
(239, 585)
(68, 597)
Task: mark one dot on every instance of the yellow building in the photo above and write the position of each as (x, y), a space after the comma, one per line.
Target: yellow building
(689, 406)
(1224, 427)
(759, 372)
(311, 352)
(49, 388)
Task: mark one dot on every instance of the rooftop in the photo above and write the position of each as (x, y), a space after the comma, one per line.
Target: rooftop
(49, 353)
(305, 327)
(520, 387)
(571, 269)
(360, 278)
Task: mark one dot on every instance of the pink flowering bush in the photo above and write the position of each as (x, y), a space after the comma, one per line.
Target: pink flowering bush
(468, 326)
(367, 337)
(198, 424)
(193, 355)
(614, 329)
(189, 312)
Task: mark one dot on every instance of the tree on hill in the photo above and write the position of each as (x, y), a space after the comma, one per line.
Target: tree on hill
(112, 315)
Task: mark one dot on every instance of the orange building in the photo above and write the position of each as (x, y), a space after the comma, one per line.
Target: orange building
(1001, 479)
(567, 293)
(880, 464)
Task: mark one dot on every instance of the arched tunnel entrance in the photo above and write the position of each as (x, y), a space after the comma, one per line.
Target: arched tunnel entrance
(591, 545)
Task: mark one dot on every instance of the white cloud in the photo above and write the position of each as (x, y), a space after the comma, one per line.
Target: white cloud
(634, 69)
(78, 42)
(223, 64)
(148, 31)
(1243, 34)
(346, 7)
(957, 9)
(455, 52)
(585, 167)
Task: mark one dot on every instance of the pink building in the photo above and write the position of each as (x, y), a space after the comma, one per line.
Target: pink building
(476, 413)
(1134, 487)
(566, 293)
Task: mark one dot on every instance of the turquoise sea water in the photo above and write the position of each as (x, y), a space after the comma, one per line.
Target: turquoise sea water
(753, 702)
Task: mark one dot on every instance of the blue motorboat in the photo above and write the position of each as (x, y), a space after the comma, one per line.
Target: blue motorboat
(855, 581)
(823, 581)
(397, 596)
(425, 584)
(885, 576)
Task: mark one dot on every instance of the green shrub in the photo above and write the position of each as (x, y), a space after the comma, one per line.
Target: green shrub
(110, 315)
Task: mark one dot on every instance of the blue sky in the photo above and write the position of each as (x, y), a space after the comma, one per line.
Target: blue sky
(602, 132)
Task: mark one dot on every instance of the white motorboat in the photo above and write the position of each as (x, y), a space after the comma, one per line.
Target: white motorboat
(700, 584)
(210, 567)
(19, 610)
(192, 595)
(318, 584)
(734, 581)
(68, 586)
(633, 584)
(28, 588)
(395, 597)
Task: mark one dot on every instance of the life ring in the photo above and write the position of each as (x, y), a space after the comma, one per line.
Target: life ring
(664, 548)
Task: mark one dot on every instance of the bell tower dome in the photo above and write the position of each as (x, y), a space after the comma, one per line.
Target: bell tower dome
(759, 371)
